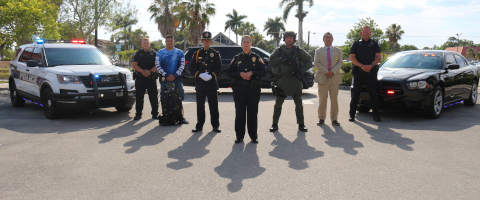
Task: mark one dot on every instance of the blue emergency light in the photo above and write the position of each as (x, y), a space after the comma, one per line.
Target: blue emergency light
(96, 75)
(39, 41)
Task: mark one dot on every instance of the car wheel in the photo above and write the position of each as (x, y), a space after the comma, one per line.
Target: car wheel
(17, 101)
(49, 106)
(472, 100)
(123, 109)
(363, 109)
(436, 105)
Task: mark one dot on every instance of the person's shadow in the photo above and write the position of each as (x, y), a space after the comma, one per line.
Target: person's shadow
(128, 129)
(150, 138)
(191, 149)
(386, 135)
(296, 152)
(242, 163)
(341, 139)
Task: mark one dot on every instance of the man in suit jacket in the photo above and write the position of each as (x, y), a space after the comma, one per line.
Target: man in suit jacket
(328, 61)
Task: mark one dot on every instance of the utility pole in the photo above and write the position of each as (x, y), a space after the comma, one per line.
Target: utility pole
(308, 43)
(458, 36)
(96, 24)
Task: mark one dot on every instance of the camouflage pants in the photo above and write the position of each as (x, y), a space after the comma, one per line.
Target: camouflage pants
(297, 99)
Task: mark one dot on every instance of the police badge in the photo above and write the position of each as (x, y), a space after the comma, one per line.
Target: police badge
(211, 55)
(163, 78)
(254, 59)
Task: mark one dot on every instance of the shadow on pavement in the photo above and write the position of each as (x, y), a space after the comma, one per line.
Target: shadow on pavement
(341, 139)
(296, 152)
(150, 138)
(191, 149)
(125, 130)
(242, 163)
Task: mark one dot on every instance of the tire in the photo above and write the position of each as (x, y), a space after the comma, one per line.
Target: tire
(310, 78)
(123, 109)
(17, 101)
(363, 109)
(472, 100)
(49, 106)
(436, 106)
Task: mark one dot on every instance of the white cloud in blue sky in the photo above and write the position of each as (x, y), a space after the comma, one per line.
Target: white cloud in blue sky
(425, 22)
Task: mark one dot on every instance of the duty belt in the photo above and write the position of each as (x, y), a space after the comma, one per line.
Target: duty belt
(247, 83)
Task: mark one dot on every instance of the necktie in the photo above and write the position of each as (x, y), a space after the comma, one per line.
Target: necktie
(329, 59)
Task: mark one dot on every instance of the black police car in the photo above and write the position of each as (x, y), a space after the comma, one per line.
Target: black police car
(428, 80)
(226, 54)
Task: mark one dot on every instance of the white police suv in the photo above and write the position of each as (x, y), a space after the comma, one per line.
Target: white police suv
(66, 75)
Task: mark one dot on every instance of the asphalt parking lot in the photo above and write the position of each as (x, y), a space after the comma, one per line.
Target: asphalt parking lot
(107, 155)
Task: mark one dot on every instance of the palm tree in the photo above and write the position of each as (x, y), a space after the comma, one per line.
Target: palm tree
(394, 34)
(289, 4)
(163, 11)
(196, 14)
(470, 53)
(137, 37)
(477, 55)
(246, 28)
(256, 38)
(273, 28)
(233, 22)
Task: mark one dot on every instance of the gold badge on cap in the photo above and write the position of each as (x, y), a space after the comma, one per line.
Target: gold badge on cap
(206, 34)
(254, 59)
(211, 55)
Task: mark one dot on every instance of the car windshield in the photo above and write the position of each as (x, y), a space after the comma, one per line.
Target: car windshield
(75, 56)
(419, 61)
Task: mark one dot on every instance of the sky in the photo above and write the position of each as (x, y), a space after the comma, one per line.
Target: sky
(425, 22)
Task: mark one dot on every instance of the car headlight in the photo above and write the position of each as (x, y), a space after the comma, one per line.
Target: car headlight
(417, 85)
(129, 76)
(69, 79)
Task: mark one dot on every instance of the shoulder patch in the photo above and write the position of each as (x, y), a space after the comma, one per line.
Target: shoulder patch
(261, 60)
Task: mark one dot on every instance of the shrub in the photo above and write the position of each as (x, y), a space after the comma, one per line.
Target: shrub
(347, 67)
(347, 78)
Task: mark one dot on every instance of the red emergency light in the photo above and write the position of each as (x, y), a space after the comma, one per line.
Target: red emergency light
(390, 91)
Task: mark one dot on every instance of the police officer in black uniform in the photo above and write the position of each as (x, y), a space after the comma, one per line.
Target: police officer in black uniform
(246, 71)
(206, 67)
(365, 56)
(145, 78)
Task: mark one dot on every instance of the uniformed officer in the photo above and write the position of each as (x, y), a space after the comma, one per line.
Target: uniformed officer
(289, 84)
(206, 67)
(365, 55)
(246, 71)
(144, 64)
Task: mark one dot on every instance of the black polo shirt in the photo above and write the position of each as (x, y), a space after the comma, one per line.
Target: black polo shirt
(146, 60)
(365, 50)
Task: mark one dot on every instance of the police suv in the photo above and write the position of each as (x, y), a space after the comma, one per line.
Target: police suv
(68, 75)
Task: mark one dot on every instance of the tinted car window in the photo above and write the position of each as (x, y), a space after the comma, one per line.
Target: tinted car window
(449, 59)
(26, 55)
(37, 55)
(75, 56)
(461, 61)
(419, 61)
(227, 54)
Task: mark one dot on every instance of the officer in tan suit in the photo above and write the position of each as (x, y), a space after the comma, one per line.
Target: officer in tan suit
(328, 61)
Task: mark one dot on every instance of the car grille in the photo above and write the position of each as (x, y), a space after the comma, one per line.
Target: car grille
(102, 81)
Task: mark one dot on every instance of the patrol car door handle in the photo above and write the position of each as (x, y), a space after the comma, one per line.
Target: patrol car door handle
(27, 70)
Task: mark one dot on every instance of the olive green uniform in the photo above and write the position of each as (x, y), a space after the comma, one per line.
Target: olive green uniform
(288, 84)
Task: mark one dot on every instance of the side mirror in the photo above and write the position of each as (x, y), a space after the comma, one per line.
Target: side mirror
(453, 66)
(32, 63)
(266, 60)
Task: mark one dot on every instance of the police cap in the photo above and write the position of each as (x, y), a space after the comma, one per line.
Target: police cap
(206, 35)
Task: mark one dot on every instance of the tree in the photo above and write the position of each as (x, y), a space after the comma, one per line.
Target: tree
(164, 13)
(354, 34)
(273, 28)
(233, 22)
(86, 20)
(477, 55)
(256, 38)
(289, 4)
(454, 42)
(470, 53)
(196, 14)
(394, 33)
(20, 19)
(137, 36)
(408, 47)
(246, 28)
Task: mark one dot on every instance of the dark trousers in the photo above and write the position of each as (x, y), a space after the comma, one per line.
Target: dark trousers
(370, 80)
(212, 105)
(143, 84)
(246, 110)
